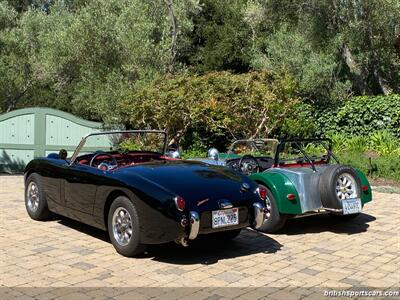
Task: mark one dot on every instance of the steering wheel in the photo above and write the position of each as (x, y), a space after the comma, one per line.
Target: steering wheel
(113, 160)
(248, 164)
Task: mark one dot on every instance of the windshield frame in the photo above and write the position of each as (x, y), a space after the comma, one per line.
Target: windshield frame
(83, 141)
(275, 141)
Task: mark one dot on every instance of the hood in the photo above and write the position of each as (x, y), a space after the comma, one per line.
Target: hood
(195, 181)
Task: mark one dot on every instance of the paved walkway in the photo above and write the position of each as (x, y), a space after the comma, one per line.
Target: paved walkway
(311, 255)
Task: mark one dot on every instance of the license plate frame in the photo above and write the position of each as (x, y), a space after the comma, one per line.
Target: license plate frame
(225, 217)
(351, 206)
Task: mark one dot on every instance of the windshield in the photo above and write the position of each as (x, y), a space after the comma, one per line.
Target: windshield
(122, 142)
(255, 147)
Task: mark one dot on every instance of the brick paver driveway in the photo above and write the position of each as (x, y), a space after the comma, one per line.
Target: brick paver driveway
(311, 252)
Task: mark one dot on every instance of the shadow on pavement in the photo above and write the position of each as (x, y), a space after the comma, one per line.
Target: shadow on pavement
(92, 231)
(204, 251)
(321, 223)
(209, 251)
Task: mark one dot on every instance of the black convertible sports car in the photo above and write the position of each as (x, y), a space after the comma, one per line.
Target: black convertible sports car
(123, 182)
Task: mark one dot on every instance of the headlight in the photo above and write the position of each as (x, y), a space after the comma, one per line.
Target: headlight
(213, 153)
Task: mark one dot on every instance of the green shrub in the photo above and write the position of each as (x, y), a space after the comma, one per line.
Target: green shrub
(385, 143)
(361, 116)
(218, 106)
(387, 166)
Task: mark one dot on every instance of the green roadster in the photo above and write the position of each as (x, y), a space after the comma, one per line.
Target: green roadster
(299, 178)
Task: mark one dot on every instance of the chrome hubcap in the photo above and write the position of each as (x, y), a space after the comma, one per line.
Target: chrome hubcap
(268, 208)
(122, 226)
(346, 187)
(32, 194)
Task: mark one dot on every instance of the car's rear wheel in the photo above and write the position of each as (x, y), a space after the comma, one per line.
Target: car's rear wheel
(123, 227)
(274, 220)
(35, 198)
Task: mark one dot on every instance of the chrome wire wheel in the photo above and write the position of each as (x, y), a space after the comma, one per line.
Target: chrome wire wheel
(32, 194)
(346, 187)
(122, 226)
(268, 208)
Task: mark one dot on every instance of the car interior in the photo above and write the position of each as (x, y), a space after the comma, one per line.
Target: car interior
(112, 160)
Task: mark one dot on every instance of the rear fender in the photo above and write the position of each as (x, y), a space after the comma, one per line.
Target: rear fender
(366, 196)
(280, 186)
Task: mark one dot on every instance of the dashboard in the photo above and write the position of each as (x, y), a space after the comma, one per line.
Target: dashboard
(264, 163)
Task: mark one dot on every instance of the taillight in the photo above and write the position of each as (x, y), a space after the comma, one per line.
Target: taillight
(179, 203)
(262, 192)
(291, 197)
(364, 188)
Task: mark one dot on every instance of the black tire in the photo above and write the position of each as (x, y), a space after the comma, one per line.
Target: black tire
(327, 185)
(35, 198)
(133, 246)
(276, 220)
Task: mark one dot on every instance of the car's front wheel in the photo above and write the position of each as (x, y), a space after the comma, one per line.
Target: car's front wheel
(123, 227)
(274, 220)
(35, 198)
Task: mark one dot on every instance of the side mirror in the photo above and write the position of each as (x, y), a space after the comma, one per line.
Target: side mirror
(213, 153)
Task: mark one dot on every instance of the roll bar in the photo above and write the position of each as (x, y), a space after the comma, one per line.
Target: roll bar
(325, 142)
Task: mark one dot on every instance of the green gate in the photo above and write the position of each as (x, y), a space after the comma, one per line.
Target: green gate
(34, 132)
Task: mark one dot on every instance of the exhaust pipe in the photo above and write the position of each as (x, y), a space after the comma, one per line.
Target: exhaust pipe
(194, 225)
(259, 215)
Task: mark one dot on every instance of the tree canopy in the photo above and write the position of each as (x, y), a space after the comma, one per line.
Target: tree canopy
(89, 56)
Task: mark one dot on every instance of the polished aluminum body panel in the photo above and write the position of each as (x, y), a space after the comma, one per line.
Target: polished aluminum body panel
(306, 182)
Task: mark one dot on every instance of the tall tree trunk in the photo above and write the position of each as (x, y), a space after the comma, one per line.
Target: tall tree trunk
(355, 70)
(397, 44)
(174, 35)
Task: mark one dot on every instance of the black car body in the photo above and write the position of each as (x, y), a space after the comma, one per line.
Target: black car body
(155, 184)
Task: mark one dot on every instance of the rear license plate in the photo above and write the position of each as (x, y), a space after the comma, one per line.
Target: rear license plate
(226, 217)
(351, 206)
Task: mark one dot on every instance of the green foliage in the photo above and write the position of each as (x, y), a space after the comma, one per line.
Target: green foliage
(219, 105)
(332, 47)
(84, 56)
(384, 143)
(220, 39)
(387, 166)
(361, 116)
(314, 69)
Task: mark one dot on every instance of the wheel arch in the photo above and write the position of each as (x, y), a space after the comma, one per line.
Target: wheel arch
(109, 200)
(280, 186)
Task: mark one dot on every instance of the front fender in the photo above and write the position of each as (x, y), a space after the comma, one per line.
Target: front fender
(280, 186)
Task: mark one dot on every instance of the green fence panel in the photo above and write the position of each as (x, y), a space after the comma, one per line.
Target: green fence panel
(35, 132)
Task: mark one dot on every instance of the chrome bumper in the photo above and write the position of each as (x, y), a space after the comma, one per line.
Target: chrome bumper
(259, 215)
(194, 221)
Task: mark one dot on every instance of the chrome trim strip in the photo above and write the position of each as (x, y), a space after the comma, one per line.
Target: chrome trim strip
(259, 215)
(194, 225)
(83, 141)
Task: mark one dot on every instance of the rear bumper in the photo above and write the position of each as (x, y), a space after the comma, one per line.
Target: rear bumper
(202, 224)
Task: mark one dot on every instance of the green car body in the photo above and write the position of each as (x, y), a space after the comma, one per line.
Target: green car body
(304, 185)
(280, 186)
